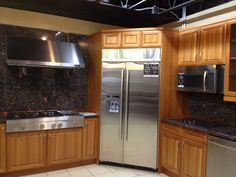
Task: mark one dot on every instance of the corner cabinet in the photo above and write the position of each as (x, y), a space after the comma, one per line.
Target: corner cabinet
(26, 150)
(2, 148)
(203, 46)
(90, 139)
(183, 152)
(131, 38)
(230, 66)
(64, 146)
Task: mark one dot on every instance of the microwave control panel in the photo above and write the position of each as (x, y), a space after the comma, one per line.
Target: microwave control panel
(180, 80)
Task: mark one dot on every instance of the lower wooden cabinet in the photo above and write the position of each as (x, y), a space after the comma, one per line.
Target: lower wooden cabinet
(64, 146)
(170, 154)
(26, 150)
(90, 139)
(183, 154)
(193, 158)
(2, 148)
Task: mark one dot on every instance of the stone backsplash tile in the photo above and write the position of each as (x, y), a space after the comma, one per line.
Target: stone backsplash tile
(211, 107)
(40, 88)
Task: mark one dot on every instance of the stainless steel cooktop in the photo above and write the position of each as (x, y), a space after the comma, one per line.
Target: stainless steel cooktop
(43, 120)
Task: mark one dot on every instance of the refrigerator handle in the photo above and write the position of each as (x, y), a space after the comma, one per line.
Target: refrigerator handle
(121, 103)
(127, 103)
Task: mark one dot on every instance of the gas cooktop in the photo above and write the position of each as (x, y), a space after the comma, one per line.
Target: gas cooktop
(43, 120)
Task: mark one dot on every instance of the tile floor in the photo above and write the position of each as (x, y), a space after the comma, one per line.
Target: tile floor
(99, 171)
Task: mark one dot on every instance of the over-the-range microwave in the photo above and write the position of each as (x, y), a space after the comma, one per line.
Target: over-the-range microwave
(207, 78)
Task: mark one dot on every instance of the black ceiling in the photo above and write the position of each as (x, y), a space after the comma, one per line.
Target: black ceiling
(113, 12)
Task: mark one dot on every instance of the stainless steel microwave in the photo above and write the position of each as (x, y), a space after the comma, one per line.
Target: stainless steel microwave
(207, 78)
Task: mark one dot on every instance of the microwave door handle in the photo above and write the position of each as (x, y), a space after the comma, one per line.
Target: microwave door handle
(204, 80)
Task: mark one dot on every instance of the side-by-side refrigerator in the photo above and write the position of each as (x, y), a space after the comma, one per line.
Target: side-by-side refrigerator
(130, 105)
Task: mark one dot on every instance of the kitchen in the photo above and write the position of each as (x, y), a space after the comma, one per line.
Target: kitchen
(196, 126)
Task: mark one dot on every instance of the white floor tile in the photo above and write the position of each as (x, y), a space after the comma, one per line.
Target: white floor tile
(97, 169)
(56, 172)
(124, 173)
(63, 174)
(79, 172)
(108, 174)
(37, 175)
(141, 172)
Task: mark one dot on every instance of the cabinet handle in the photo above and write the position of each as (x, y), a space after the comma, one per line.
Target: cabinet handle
(195, 55)
(200, 54)
(182, 145)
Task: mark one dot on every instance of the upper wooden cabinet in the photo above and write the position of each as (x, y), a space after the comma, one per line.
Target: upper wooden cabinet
(111, 40)
(183, 151)
(90, 139)
(64, 146)
(131, 39)
(188, 47)
(230, 66)
(212, 44)
(26, 150)
(202, 46)
(2, 148)
(151, 39)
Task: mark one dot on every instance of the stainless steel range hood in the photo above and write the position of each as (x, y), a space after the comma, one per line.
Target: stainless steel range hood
(39, 53)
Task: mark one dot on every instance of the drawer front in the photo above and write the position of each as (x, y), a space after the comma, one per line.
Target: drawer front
(195, 136)
(171, 129)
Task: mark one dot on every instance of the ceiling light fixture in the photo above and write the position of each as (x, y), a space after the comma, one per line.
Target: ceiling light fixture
(44, 38)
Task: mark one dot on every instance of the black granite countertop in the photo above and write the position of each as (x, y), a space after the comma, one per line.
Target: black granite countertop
(219, 129)
(3, 119)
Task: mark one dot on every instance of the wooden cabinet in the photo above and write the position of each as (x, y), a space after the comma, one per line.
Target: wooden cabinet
(26, 150)
(131, 38)
(170, 154)
(151, 39)
(212, 44)
(111, 40)
(188, 47)
(64, 146)
(183, 151)
(90, 139)
(230, 66)
(2, 148)
(193, 158)
(202, 46)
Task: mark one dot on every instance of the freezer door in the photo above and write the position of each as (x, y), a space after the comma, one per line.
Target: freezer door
(141, 117)
(111, 143)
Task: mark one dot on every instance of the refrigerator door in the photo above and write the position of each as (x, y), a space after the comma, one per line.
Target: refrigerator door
(141, 117)
(111, 143)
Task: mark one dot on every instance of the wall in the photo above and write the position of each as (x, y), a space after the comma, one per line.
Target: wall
(49, 22)
(40, 89)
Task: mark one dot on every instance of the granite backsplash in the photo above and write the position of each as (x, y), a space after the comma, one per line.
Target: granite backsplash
(210, 107)
(23, 89)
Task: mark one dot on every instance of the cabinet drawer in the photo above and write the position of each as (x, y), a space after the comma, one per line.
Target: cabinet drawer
(171, 129)
(195, 136)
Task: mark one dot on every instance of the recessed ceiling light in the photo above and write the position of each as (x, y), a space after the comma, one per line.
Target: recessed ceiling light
(44, 38)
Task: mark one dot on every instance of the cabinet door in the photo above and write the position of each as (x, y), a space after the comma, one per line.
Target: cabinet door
(188, 47)
(151, 39)
(26, 150)
(2, 148)
(170, 152)
(90, 139)
(131, 39)
(212, 44)
(111, 40)
(64, 146)
(193, 159)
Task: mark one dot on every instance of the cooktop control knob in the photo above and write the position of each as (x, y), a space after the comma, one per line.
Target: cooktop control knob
(53, 126)
(59, 125)
(42, 126)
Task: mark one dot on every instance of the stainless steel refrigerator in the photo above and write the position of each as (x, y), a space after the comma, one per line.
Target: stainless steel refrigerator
(129, 109)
